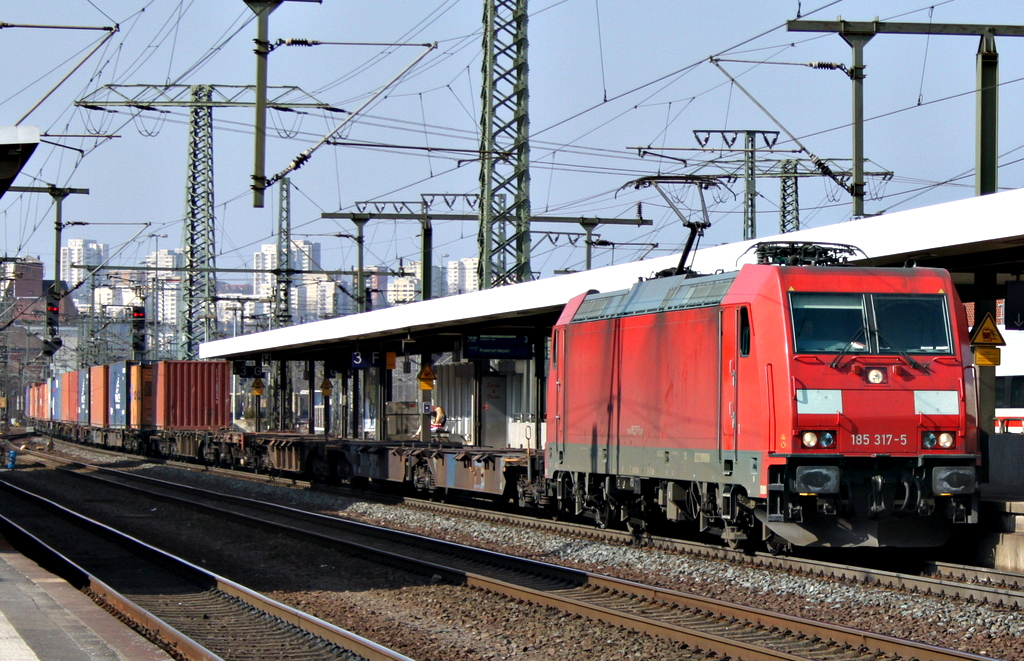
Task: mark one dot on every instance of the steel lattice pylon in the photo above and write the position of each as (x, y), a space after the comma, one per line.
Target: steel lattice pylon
(196, 318)
(283, 280)
(504, 146)
(789, 198)
(197, 321)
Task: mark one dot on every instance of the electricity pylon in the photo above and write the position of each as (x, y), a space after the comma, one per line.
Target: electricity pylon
(504, 235)
(197, 321)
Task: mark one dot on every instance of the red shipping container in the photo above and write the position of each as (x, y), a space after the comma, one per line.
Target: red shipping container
(99, 387)
(35, 410)
(44, 404)
(192, 394)
(69, 397)
(32, 401)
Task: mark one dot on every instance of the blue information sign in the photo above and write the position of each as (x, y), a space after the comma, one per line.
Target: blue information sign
(498, 346)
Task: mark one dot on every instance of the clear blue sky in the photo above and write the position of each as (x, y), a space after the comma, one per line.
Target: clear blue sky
(606, 76)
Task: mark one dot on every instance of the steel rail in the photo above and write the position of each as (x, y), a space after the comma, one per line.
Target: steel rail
(163, 633)
(986, 585)
(183, 643)
(569, 589)
(982, 584)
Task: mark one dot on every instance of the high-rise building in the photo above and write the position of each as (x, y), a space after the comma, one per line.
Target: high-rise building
(163, 285)
(304, 257)
(403, 289)
(409, 288)
(165, 262)
(75, 260)
(462, 276)
(315, 300)
(376, 281)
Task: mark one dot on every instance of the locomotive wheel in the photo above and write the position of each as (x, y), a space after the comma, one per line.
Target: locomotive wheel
(778, 546)
(734, 537)
(603, 515)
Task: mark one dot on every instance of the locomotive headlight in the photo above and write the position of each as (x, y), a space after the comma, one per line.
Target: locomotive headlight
(809, 439)
(929, 440)
(876, 375)
(828, 439)
(945, 440)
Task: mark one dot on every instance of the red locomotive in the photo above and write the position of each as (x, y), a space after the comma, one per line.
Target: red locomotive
(798, 399)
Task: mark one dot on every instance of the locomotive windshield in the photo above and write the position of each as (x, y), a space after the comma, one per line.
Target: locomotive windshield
(870, 323)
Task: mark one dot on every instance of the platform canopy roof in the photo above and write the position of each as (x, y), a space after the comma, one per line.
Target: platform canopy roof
(16, 146)
(966, 237)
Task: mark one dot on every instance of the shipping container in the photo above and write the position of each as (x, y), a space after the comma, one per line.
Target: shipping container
(35, 393)
(140, 396)
(117, 395)
(192, 394)
(83, 396)
(54, 398)
(32, 408)
(99, 387)
(69, 397)
(43, 401)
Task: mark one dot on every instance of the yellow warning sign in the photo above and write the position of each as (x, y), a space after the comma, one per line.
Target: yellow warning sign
(986, 356)
(426, 373)
(987, 333)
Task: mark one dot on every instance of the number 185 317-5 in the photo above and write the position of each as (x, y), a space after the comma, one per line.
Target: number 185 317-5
(880, 439)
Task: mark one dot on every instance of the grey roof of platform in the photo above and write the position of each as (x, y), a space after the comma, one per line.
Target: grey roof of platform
(988, 227)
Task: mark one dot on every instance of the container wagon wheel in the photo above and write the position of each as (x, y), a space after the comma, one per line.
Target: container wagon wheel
(423, 479)
(320, 469)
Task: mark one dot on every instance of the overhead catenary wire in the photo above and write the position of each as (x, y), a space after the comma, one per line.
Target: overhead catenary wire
(579, 166)
(302, 158)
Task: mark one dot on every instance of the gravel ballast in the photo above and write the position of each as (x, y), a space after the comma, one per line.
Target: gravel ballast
(522, 631)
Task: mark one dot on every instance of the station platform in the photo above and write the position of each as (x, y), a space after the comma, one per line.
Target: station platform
(43, 618)
(1000, 543)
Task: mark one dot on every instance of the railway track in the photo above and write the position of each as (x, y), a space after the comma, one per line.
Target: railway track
(981, 584)
(189, 612)
(710, 625)
(944, 579)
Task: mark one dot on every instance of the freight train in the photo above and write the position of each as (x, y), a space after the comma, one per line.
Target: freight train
(797, 401)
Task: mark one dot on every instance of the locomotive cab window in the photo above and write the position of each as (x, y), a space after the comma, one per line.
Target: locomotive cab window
(870, 323)
(912, 323)
(828, 323)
